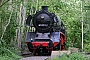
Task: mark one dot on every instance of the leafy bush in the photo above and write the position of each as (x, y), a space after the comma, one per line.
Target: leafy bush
(6, 54)
(87, 47)
(76, 56)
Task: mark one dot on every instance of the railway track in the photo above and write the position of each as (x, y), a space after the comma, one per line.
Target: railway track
(36, 58)
(29, 56)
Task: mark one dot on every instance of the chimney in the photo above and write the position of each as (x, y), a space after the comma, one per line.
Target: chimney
(45, 8)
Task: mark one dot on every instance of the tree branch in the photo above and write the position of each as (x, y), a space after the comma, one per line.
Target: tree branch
(4, 3)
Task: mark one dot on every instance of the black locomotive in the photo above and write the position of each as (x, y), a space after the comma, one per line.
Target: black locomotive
(48, 32)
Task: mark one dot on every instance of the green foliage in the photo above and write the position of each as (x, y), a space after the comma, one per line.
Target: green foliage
(86, 10)
(87, 47)
(69, 12)
(76, 56)
(7, 52)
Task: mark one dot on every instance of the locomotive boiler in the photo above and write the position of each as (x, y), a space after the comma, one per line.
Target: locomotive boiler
(47, 32)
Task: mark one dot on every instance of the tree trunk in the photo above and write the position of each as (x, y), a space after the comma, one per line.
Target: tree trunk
(20, 30)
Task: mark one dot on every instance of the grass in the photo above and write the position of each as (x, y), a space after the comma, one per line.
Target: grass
(6, 54)
(73, 56)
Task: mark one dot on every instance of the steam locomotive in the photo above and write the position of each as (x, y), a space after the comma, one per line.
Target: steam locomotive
(47, 32)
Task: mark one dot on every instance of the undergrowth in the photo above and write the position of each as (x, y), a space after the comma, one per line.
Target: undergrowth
(73, 56)
(8, 53)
